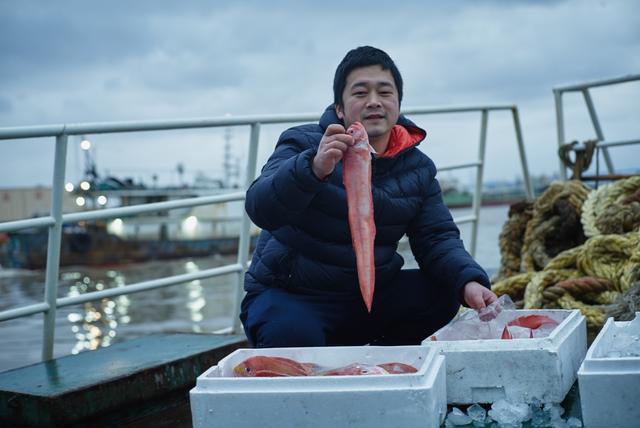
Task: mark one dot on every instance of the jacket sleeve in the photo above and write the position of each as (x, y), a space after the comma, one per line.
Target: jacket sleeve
(286, 184)
(436, 244)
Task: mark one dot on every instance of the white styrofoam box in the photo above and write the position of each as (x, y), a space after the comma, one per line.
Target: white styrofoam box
(610, 387)
(398, 400)
(485, 371)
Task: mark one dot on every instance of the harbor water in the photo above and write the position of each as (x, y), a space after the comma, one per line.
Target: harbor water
(196, 306)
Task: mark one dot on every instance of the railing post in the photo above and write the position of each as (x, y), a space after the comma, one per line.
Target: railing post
(597, 128)
(245, 228)
(477, 195)
(53, 248)
(557, 96)
(523, 156)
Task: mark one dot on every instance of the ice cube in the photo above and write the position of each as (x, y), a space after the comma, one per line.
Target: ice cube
(477, 413)
(494, 309)
(458, 418)
(506, 412)
(539, 419)
(554, 410)
(554, 413)
(520, 332)
(544, 330)
(574, 422)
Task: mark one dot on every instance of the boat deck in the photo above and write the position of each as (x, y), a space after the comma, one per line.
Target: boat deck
(122, 385)
(140, 383)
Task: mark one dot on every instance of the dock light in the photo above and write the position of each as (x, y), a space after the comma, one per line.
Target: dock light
(85, 185)
(116, 227)
(102, 200)
(80, 201)
(69, 187)
(190, 224)
(85, 144)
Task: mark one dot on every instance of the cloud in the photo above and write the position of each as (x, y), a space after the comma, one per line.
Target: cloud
(75, 61)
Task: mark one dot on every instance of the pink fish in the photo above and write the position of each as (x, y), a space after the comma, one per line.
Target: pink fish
(357, 182)
(264, 366)
(355, 369)
(532, 321)
(398, 368)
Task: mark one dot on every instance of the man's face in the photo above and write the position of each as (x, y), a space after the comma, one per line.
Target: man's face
(370, 96)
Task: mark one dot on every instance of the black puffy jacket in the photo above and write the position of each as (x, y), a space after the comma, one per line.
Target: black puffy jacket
(305, 245)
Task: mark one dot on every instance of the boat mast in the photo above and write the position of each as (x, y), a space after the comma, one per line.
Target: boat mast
(231, 169)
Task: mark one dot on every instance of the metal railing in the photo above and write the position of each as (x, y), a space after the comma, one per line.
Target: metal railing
(593, 115)
(56, 219)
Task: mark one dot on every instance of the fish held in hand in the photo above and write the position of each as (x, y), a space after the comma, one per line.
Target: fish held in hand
(357, 182)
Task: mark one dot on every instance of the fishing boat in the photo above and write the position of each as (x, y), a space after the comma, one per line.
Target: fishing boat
(145, 382)
(198, 231)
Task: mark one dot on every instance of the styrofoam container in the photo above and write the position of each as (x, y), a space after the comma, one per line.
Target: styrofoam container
(523, 370)
(609, 386)
(407, 400)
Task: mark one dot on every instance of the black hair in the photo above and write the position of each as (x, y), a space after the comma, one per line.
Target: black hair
(363, 56)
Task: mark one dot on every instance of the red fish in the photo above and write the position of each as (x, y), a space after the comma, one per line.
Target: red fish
(398, 368)
(532, 321)
(357, 182)
(264, 366)
(355, 369)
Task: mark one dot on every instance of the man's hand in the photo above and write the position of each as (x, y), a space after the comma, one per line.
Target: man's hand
(332, 146)
(477, 296)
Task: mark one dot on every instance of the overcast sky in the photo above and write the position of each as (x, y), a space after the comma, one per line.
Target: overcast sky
(80, 61)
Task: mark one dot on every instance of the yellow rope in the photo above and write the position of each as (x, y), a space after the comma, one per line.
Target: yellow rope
(533, 293)
(598, 209)
(514, 286)
(594, 314)
(590, 275)
(556, 218)
(565, 260)
(511, 239)
(612, 257)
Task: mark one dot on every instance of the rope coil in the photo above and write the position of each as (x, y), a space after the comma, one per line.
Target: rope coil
(599, 274)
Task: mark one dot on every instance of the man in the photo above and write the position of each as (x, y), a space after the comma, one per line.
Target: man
(302, 286)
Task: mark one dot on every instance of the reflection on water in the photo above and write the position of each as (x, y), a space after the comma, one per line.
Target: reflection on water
(200, 306)
(197, 306)
(97, 324)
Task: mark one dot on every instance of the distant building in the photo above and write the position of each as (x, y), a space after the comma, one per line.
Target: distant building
(28, 202)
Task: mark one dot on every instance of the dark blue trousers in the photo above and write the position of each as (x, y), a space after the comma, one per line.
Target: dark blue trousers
(404, 312)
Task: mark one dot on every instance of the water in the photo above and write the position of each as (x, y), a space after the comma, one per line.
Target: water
(197, 306)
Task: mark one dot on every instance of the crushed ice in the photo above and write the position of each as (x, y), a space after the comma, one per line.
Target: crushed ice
(510, 414)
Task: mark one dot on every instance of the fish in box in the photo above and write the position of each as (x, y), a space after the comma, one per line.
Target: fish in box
(539, 362)
(320, 399)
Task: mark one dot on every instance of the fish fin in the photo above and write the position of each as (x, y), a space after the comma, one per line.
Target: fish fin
(506, 334)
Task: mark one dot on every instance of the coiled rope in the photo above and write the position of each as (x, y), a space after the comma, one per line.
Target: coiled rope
(555, 224)
(614, 208)
(597, 276)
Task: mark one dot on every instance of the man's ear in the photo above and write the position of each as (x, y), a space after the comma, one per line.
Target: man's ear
(339, 111)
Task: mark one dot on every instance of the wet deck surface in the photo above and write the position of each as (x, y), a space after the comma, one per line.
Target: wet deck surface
(112, 386)
(141, 383)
